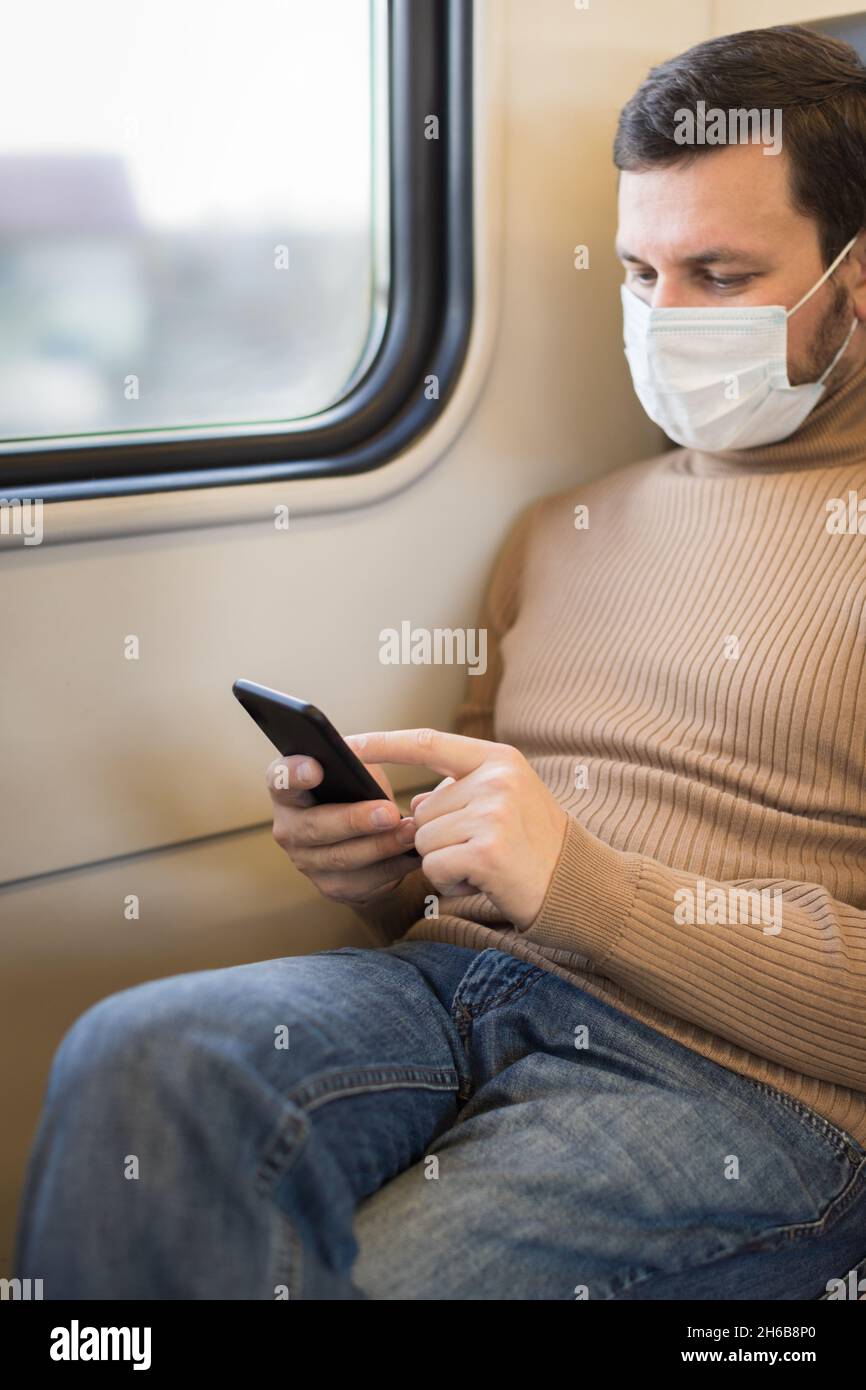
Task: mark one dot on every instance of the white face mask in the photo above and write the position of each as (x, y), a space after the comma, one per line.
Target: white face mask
(717, 378)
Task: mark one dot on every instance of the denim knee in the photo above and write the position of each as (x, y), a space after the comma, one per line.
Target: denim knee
(110, 1047)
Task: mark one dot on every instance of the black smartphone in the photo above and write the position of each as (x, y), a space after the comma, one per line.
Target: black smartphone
(296, 726)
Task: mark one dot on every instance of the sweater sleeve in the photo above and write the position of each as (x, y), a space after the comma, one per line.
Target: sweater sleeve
(393, 914)
(787, 982)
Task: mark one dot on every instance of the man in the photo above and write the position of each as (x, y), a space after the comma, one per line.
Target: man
(612, 1043)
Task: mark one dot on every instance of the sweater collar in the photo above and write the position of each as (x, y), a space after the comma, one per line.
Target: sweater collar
(832, 435)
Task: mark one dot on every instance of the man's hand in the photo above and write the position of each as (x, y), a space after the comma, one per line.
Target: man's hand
(491, 826)
(352, 853)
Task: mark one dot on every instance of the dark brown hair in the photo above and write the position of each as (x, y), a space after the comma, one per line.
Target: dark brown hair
(818, 83)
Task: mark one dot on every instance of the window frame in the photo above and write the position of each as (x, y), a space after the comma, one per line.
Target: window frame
(430, 305)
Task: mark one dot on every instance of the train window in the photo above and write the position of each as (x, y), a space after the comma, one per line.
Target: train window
(231, 240)
(174, 254)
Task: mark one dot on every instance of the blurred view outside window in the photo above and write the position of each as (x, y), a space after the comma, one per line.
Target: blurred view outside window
(192, 211)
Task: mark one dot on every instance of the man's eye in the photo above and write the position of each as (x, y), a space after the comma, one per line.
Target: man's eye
(718, 282)
(728, 282)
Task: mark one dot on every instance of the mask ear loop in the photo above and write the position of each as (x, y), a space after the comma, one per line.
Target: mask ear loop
(808, 295)
(823, 377)
(829, 271)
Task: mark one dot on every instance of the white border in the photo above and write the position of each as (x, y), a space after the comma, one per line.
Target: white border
(106, 517)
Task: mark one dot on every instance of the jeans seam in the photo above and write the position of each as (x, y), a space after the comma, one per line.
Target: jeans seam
(288, 1263)
(283, 1147)
(327, 1086)
(464, 1016)
(484, 1005)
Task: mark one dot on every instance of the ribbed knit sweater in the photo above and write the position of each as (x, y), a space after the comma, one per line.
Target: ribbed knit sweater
(687, 675)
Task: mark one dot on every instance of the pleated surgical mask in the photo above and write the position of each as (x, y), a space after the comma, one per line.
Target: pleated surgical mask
(717, 378)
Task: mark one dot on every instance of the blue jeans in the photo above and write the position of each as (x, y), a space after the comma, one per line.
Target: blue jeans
(421, 1121)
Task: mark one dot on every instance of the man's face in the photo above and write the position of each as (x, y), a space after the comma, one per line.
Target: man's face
(721, 229)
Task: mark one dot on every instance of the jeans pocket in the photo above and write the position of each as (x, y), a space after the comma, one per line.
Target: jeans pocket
(831, 1164)
(832, 1133)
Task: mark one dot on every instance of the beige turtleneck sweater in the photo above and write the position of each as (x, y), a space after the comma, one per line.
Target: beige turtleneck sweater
(687, 675)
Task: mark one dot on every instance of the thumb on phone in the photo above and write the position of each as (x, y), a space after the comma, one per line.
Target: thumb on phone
(290, 778)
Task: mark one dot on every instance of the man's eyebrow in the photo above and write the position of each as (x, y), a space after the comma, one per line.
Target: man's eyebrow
(720, 253)
(710, 256)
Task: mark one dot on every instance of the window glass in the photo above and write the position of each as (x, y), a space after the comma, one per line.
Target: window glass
(192, 220)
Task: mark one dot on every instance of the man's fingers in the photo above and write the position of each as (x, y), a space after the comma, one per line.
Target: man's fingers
(330, 823)
(422, 796)
(364, 883)
(346, 856)
(449, 796)
(301, 828)
(451, 755)
(289, 778)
